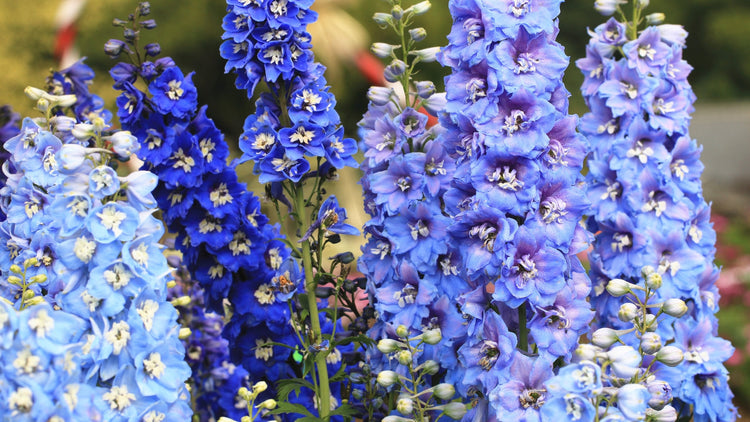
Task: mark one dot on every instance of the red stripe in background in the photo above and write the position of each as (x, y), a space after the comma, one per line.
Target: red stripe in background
(65, 38)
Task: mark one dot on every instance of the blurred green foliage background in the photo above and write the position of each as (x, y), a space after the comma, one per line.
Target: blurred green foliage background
(190, 31)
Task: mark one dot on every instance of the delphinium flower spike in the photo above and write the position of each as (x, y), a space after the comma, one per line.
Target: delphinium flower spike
(100, 261)
(413, 274)
(648, 205)
(515, 202)
(226, 241)
(295, 140)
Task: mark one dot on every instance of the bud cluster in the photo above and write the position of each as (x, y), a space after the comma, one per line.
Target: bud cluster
(416, 400)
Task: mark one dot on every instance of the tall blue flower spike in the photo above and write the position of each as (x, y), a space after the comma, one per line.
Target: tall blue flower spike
(648, 206)
(226, 241)
(515, 202)
(81, 240)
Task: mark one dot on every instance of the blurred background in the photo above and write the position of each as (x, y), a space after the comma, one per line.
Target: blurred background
(37, 35)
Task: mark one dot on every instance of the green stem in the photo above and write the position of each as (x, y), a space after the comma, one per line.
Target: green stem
(523, 332)
(324, 390)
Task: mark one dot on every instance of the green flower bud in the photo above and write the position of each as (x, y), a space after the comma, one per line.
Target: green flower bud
(420, 8)
(15, 280)
(39, 278)
(670, 355)
(259, 387)
(269, 404)
(383, 19)
(650, 343)
(404, 357)
(455, 410)
(628, 312)
(674, 307)
(444, 391)
(604, 337)
(16, 269)
(654, 281)
(402, 331)
(405, 406)
(387, 378)
(655, 18)
(618, 287)
(383, 50)
(430, 367)
(397, 12)
(388, 345)
(184, 333)
(417, 34)
(432, 336)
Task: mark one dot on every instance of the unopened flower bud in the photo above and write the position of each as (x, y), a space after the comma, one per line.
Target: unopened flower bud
(404, 357)
(152, 49)
(420, 8)
(628, 312)
(36, 300)
(661, 394)
(383, 19)
(33, 261)
(148, 24)
(259, 387)
(397, 12)
(113, 47)
(15, 280)
(16, 269)
(650, 343)
(667, 414)
(430, 367)
(269, 404)
(144, 8)
(655, 18)
(184, 333)
(425, 88)
(670, 355)
(674, 307)
(604, 337)
(455, 410)
(426, 55)
(618, 287)
(586, 353)
(607, 7)
(387, 378)
(34, 93)
(672, 34)
(394, 70)
(402, 331)
(124, 144)
(181, 301)
(417, 34)
(432, 337)
(643, 3)
(380, 95)
(405, 406)
(27, 295)
(383, 50)
(444, 391)
(388, 345)
(245, 394)
(654, 281)
(625, 361)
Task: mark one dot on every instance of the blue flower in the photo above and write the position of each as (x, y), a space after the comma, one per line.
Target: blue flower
(173, 93)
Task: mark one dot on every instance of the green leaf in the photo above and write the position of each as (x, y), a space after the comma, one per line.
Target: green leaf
(286, 407)
(359, 339)
(286, 386)
(345, 410)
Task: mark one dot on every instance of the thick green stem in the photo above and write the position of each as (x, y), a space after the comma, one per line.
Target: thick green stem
(324, 390)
